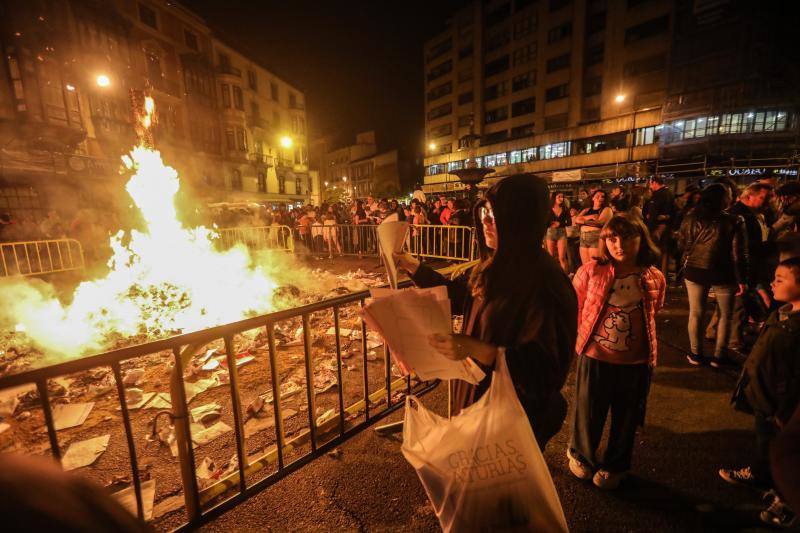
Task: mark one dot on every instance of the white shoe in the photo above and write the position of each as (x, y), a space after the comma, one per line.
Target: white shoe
(578, 468)
(603, 479)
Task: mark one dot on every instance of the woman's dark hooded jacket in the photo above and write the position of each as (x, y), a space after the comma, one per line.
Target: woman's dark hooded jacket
(527, 304)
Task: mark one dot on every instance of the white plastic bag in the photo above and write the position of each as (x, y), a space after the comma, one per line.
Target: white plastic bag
(482, 469)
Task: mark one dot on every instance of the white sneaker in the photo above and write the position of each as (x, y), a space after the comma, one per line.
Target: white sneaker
(578, 468)
(603, 479)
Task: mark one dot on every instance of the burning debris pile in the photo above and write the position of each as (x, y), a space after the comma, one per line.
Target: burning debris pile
(163, 279)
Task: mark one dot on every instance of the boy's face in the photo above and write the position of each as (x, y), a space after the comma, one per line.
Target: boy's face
(785, 286)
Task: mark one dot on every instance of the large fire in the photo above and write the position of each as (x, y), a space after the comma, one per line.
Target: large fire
(164, 279)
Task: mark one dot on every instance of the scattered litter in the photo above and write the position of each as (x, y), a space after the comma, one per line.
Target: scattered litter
(127, 498)
(256, 408)
(168, 505)
(201, 385)
(209, 353)
(85, 452)
(222, 377)
(207, 435)
(212, 364)
(241, 359)
(205, 414)
(71, 415)
(336, 453)
(161, 400)
(206, 472)
(8, 404)
(327, 415)
(133, 377)
(289, 388)
(135, 396)
(254, 425)
(344, 332)
(4, 427)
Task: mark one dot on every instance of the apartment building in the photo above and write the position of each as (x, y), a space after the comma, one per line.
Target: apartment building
(358, 169)
(576, 89)
(74, 71)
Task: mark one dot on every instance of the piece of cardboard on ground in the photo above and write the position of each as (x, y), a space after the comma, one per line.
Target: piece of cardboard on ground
(70, 415)
(210, 433)
(254, 425)
(127, 498)
(85, 452)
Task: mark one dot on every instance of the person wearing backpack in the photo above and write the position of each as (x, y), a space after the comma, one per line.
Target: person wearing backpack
(769, 387)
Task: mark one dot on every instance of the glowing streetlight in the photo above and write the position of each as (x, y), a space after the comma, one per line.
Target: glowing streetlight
(619, 98)
(344, 178)
(103, 80)
(432, 146)
(326, 183)
(286, 141)
(70, 87)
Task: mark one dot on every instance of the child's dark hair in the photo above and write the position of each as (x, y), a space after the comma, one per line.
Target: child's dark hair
(626, 226)
(793, 264)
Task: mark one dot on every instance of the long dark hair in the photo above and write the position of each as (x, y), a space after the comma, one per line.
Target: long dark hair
(626, 226)
(515, 280)
(713, 201)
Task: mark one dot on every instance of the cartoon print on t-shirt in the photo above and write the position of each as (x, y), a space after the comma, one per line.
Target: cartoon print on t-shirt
(615, 333)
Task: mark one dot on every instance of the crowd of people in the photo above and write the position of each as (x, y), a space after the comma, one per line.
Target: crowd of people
(622, 249)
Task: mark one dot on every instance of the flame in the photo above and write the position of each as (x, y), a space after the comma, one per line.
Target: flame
(164, 279)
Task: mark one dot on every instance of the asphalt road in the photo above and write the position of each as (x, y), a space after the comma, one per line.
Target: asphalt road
(691, 431)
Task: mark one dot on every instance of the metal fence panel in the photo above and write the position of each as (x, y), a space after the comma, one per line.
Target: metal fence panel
(31, 258)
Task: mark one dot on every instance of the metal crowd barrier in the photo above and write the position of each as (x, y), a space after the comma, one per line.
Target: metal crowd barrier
(183, 348)
(452, 243)
(30, 258)
(258, 237)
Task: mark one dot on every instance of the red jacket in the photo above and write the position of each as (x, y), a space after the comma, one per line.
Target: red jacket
(592, 283)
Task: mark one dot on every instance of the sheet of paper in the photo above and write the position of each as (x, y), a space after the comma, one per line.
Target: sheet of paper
(127, 498)
(210, 433)
(85, 452)
(69, 415)
(161, 400)
(391, 236)
(405, 319)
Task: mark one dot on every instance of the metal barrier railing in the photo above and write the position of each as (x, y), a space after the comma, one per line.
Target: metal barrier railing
(453, 243)
(183, 347)
(258, 237)
(30, 258)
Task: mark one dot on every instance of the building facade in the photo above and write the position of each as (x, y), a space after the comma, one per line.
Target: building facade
(356, 170)
(607, 89)
(72, 70)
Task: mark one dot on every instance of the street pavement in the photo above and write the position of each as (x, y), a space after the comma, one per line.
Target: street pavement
(691, 431)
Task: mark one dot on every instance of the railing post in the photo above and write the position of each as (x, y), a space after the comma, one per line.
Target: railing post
(183, 433)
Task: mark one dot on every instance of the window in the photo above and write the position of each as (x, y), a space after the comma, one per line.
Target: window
(522, 156)
(191, 40)
(464, 121)
(292, 100)
(523, 107)
(148, 16)
(524, 26)
(440, 90)
(441, 131)
(464, 98)
(495, 91)
(497, 40)
(496, 67)
(255, 109)
(262, 182)
(525, 54)
(648, 135)
(593, 86)
(496, 115)
(440, 70)
(236, 180)
(526, 130)
(153, 66)
(557, 92)
(224, 62)
(498, 15)
(558, 63)
(465, 52)
(439, 49)
(600, 144)
(551, 151)
(595, 23)
(432, 170)
(455, 165)
(591, 113)
(273, 91)
(645, 65)
(559, 32)
(594, 55)
(647, 29)
(554, 122)
(465, 75)
(241, 139)
(523, 81)
(282, 184)
(440, 111)
(238, 98)
(226, 95)
(252, 80)
(494, 137)
(276, 119)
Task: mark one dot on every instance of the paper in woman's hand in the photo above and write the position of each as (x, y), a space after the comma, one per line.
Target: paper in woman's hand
(405, 319)
(391, 236)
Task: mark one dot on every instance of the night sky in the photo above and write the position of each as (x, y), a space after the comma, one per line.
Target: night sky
(359, 62)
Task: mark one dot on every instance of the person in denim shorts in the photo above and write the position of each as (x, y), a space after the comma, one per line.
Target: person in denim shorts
(556, 237)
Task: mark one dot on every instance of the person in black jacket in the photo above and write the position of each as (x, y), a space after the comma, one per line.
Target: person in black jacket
(659, 213)
(714, 256)
(516, 299)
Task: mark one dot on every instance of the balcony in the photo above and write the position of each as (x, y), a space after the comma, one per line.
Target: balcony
(261, 159)
(172, 88)
(228, 70)
(297, 105)
(285, 162)
(254, 121)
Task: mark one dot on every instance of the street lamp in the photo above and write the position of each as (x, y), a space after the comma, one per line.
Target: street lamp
(286, 141)
(619, 98)
(344, 179)
(103, 81)
(432, 146)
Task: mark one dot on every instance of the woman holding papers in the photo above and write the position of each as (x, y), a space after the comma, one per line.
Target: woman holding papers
(516, 299)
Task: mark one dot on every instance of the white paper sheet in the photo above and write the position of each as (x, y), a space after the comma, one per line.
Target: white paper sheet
(391, 236)
(127, 498)
(71, 414)
(85, 452)
(406, 318)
